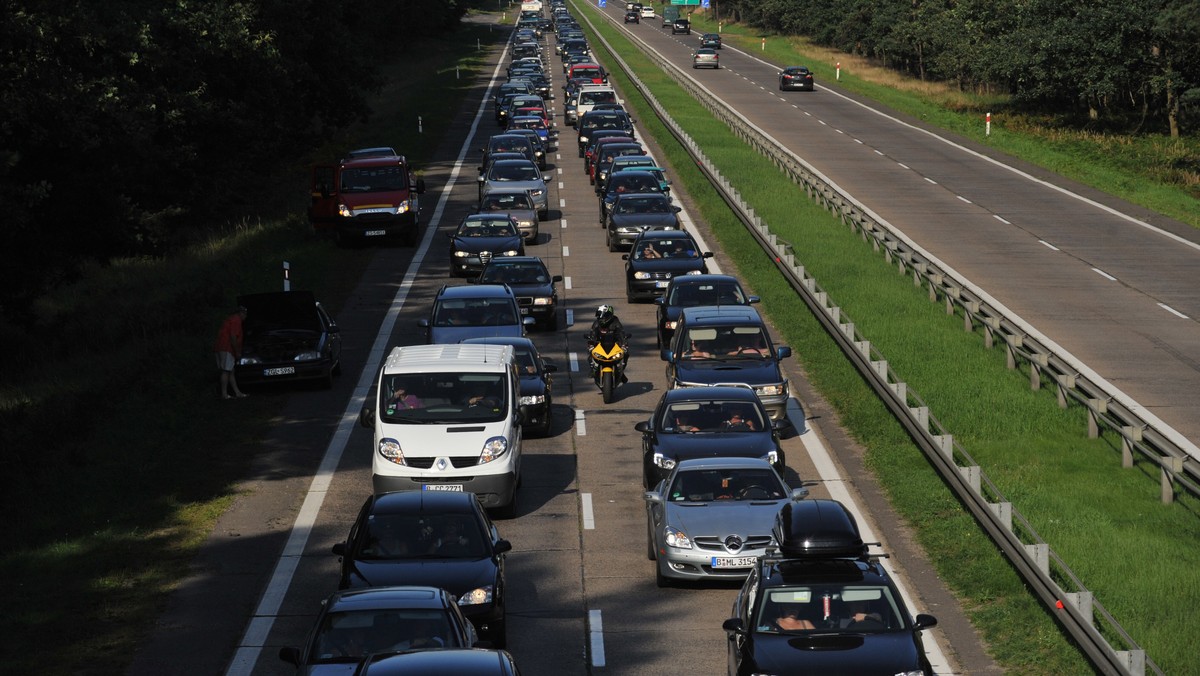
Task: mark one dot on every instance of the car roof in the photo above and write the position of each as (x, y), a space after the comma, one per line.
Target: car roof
(720, 314)
(476, 291)
(442, 661)
(409, 502)
(376, 598)
(709, 278)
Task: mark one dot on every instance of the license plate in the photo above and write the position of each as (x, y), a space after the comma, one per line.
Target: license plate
(375, 233)
(661, 285)
(739, 562)
(452, 488)
(281, 371)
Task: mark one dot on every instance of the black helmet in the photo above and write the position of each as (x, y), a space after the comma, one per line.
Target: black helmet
(605, 314)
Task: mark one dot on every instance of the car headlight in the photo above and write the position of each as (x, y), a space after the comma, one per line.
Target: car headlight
(311, 355)
(493, 448)
(676, 538)
(403, 208)
(912, 672)
(543, 300)
(510, 252)
(641, 275)
(772, 457)
(669, 325)
(664, 462)
(694, 272)
(476, 596)
(533, 399)
(390, 450)
(770, 390)
(537, 192)
(583, 139)
(344, 211)
(461, 254)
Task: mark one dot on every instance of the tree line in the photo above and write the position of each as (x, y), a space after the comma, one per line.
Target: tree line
(1130, 64)
(130, 127)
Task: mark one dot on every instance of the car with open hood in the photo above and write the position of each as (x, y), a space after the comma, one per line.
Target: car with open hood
(288, 335)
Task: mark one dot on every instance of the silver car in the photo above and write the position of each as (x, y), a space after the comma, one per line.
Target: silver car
(711, 518)
(516, 203)
(521, 175)
(706, 57)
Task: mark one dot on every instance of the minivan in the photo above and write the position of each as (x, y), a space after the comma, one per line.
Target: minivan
(447, 418)
(728, 344)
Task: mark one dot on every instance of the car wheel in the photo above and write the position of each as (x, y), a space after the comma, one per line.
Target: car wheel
(544, 215)
(551, 323)
(610, 240)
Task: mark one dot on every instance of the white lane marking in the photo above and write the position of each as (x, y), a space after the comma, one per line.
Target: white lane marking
(1104, 274)
(964, 199)
(585, 508)
(1173, 311)
(560, 173)
(560, 185)
(930, 180)
(567, 283)
(902, 165)
(998, 218)
(833, 481)
(596, 633)
(563, 223)
(580, 422)
(254, 639)
(573, 357)
(566, 252)
(1046, 244)
(570, 318)
(562, 201)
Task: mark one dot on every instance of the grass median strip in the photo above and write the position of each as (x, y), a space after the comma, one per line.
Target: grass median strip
(1103, 521)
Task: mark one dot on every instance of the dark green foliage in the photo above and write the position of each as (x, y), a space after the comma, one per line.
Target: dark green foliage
(132, 127)
(1127, 64)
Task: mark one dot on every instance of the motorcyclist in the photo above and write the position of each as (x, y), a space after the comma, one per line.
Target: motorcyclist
(607, 327)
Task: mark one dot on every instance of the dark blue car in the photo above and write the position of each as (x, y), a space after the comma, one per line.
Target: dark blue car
(480, 238)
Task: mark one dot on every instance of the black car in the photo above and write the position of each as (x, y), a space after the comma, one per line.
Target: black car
(700, 422)
(507, 143)
(693, 291)
(537, 385)
(821, 605)
(288, 335)
(632, 213)
(627, 181)
(532, 283)
(633, 16)
(447, 662)
(473, 311)
(796, 77)
(656, 257)
(596, 120)
(712, 40)
(481, 237)
(358, 622)
(435, 538)
(681, 26)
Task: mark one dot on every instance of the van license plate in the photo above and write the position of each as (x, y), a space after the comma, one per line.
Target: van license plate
(453, 488)
(739, 562)
(375, 233)
(281, 371)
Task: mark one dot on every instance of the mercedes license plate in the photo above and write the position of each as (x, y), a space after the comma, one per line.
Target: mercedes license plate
(375, 233)
(738, 562)
(453, 488)
(281, 371)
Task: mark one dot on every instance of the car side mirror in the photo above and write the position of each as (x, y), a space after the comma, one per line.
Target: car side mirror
(366, 417)
(339, 549)
(799, 493)
(643, 427)
(420, 186)
(924, 621)
(502, 546)
(661, 300)
(666, 355)
(751, 300)
(423, 323)
(783, 352)
(290, 655)
(624, 257)
(556, 278)
(652, 498)
(734, 625)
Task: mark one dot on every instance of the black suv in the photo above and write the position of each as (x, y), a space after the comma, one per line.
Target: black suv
(822, 605)
(681, 26)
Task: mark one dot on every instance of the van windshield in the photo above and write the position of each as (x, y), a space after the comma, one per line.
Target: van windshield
(443, 398)
(374, 179)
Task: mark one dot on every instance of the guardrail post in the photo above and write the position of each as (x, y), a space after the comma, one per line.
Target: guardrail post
(945, 443)
(1037, 362)
(971, 473)
(970, 309)
(1040, 553)
(1014, 342)
(1003, 512)
(1135, 661)
(901, 390)
(1096, 408)
(921, 415)
(1170, 467)
(1129, 436)
(1083, 603)
(1065, 382)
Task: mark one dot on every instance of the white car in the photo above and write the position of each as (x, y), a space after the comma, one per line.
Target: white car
(647, 12)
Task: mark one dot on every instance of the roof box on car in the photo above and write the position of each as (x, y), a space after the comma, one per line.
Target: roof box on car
(818, 529)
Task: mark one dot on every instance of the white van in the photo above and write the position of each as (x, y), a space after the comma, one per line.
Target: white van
(448, 419)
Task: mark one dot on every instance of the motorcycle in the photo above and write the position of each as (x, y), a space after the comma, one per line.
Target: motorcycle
(608, 367)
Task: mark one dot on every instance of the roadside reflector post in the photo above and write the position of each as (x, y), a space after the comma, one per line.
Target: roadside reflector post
(838, 68)
(987, 129)
(420, 125)
(287, 276)
(764, 44)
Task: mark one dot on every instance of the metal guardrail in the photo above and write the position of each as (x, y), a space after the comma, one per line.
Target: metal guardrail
(1091, 625)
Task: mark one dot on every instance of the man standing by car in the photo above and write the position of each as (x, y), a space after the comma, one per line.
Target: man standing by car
(228, 349)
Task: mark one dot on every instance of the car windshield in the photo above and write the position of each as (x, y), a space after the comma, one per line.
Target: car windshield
(689, 417)
(594, 97)
(514, 172)
(643, 205)
(726, 342)
(350, 636)
(706, 485)
(374, 179)
(518, 273)
(443, 398)
(692, 295)
(836, 607)
(486, 228)
(507, 202)
(422, 536)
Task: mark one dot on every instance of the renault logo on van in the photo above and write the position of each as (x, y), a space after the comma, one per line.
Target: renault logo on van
(441, 464)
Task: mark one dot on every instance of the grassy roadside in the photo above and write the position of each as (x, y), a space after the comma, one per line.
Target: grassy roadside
(1038, 454)
(106, 515)
(1152, 170)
